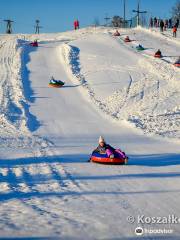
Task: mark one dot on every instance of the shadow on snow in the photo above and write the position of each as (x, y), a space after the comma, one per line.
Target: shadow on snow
(153, 160)
(42, 178)
(32, 123)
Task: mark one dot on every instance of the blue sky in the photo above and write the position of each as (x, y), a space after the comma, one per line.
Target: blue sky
(58, 15)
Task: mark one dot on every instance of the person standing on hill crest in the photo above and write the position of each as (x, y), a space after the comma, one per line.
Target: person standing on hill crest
(76, 24)
(161, 25)
(151, 22)
(174, 31)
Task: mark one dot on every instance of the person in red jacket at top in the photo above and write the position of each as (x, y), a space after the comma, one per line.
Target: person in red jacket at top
(76, 24)
(174, 31)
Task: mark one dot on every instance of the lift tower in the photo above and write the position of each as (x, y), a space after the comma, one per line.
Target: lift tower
(37, 27)
(8, 25)
(138, 13)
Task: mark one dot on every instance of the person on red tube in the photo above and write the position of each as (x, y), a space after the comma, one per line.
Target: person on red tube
(117, 33)
(111, 152)
(158, 54)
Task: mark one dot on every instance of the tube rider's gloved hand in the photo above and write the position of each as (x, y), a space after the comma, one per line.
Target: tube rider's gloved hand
(111, 156)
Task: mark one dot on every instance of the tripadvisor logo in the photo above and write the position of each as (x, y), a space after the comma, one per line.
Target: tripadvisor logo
(139, 231)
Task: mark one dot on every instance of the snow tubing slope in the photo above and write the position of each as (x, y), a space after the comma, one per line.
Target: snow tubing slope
(103, 158)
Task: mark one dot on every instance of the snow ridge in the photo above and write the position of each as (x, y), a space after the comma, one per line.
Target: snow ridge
(13, 115)
(69, 55)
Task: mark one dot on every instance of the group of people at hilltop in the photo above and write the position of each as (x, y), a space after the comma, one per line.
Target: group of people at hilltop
(164, 24)
(155, 22)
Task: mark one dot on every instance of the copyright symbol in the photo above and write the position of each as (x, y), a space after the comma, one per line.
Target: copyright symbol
(131, 219)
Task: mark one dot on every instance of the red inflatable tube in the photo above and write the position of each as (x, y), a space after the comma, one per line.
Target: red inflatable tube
(34, 44)
(127, 40)
(109, 160)
(103, 158)
(157, 56)
(116, 34)
(177, 64)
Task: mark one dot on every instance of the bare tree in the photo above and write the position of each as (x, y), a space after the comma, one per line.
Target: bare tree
(176, 11)
(117, 21)
(8, 26)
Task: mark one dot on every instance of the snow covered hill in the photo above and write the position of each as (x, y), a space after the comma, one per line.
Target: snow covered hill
(47, 188)
(128, 86)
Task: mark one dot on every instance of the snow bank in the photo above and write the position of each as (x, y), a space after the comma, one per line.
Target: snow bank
(152, 102)
(14, 112)
(12, 115)
(69, 55)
